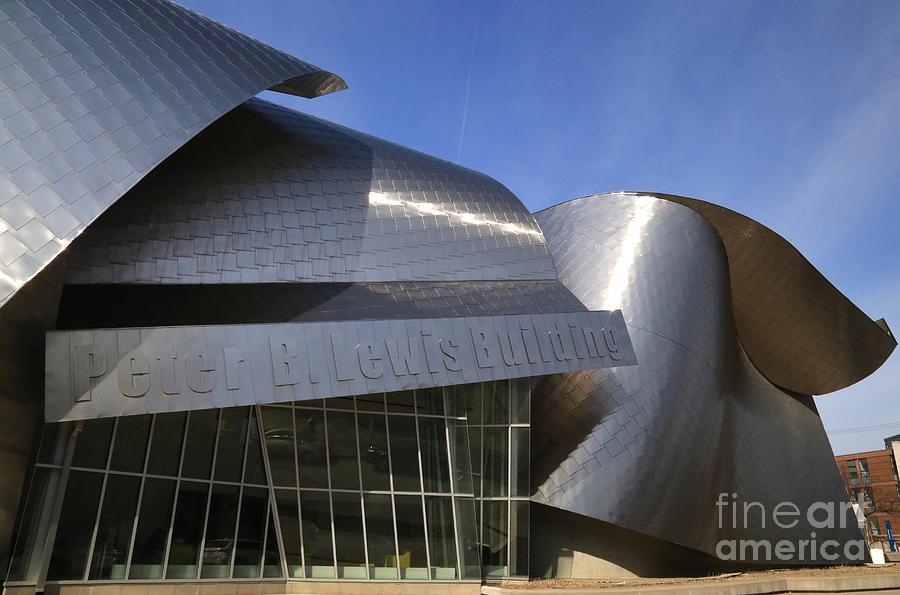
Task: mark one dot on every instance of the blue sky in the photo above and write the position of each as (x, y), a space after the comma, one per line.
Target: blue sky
(788, 112)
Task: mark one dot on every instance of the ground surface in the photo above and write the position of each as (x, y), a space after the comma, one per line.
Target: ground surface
(646, 582)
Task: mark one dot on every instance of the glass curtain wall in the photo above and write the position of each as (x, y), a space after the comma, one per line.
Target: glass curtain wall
(414, 485)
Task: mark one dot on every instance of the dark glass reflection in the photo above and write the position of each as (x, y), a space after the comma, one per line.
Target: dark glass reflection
(494, 538)
(460, 456)
(373, 452)
(441, 537)
(435, 460)
(289, 517)
(430, 401)
(411, 537)
(316, 523)
(153, 527)
(76, 525)
(279, 437)
(342, 452)
(496, 461)
(271, 557)
(519, 405)
(187, 530)
(198, 448)
(496, 402)
(33, 526)
(519, 459)
(348, 535)
(467, 534)
(230, 444)
(92, 446)
(114, 529)
(254, 469)
(130, 449)
(404, 453)
(251, 532)
(370, 402)
(311, 449)
(380, 536)
(53, 443)
(518, 538)
(165, 446)
(219, 541)
(400, 402)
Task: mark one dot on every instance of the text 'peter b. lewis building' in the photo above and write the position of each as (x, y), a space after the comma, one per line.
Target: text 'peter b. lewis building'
(243, 346)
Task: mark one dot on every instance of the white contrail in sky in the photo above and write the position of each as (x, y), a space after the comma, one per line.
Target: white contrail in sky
(465, 114)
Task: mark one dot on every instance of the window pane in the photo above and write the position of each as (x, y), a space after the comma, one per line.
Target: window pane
(76, 525)
(231, 441)
(380, 536)
(370, 402)
(271, 559)
(201, 438)
(404, 453)
(475, 455)
(373, 452)
(339, 403)
(464, 400)
(342, 451)
(153, 528)
(411, 537)
(279, 432)
(496, 402)
(518, 483)
(219, 541)
(251, 531)
(53, 443)
(316, 524)
(92, 446)
(518, 538)
(496, 461)
(435, 462)
(441, 541)
(400, 401)
(289, 516)
(348, 535)
(165, 448)
(29, 546)
(519, 401)
(311, 449)
(187, 530)
(430, 401)
(467, 530)
(131, 443)
(114, 530)
(493, 534)
(254, 470)
(459, 456)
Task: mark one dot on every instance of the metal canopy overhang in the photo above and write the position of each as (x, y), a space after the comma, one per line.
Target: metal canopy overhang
(116, 372)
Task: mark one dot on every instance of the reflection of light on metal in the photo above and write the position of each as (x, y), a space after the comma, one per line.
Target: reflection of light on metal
(428, 208)
(634, 233)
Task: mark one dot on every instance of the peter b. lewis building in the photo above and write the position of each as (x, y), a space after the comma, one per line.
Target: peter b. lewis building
(245, 348)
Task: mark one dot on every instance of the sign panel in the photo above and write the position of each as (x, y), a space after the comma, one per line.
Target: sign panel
(114, 372)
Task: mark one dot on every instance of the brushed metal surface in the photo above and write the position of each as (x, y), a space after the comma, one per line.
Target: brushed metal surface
(799, 330)
(267, 195)
(93, 95)
(116, 372)
(651, 447)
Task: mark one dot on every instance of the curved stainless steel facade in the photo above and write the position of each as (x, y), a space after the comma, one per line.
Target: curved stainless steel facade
(295, 219)
(95, 95)
(268, 194)
(650, 447)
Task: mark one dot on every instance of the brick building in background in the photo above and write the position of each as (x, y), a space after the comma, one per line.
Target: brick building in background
(872, 481)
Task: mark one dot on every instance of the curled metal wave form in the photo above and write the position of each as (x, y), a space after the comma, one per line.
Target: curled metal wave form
(94, 95)
(651, 447)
